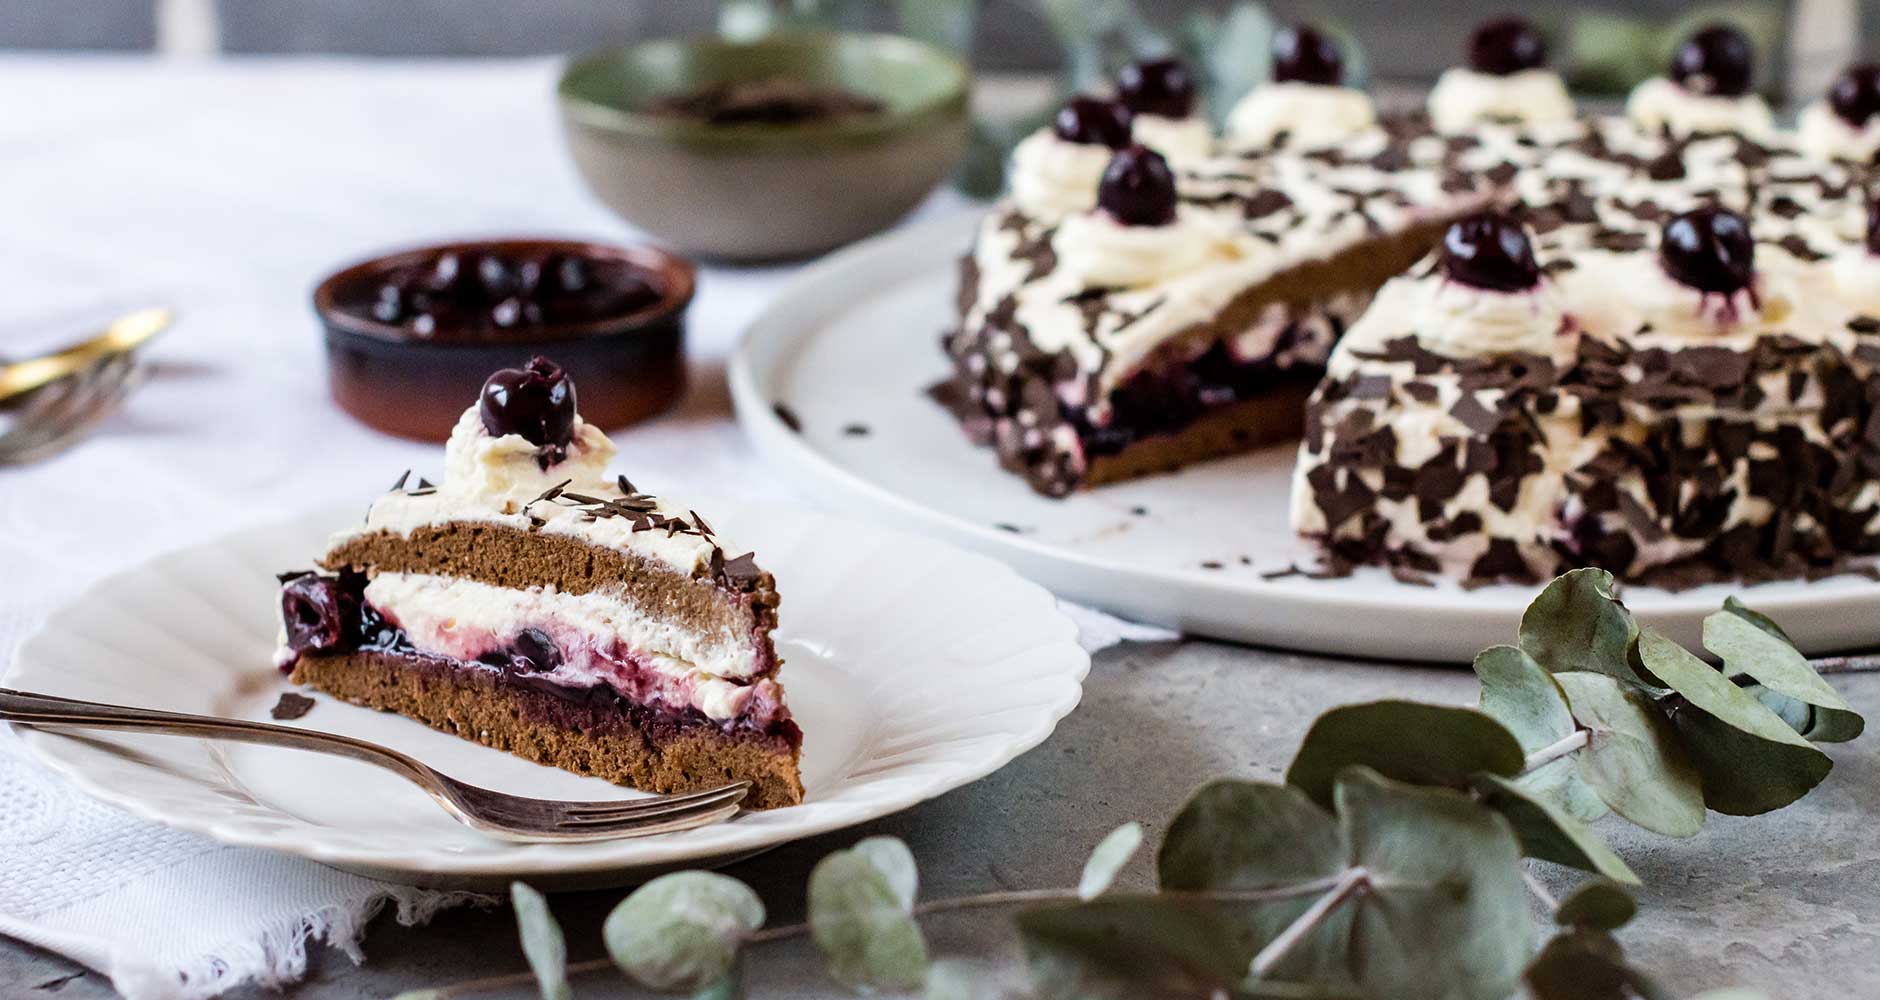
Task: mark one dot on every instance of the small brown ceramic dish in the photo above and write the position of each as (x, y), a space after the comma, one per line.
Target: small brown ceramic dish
(411, 336)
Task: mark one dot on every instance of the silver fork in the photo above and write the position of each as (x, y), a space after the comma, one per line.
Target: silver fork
(511, 817)
(56, 416)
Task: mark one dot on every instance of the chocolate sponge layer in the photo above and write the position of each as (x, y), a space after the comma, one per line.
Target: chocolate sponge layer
(626, 744)
(510, 557)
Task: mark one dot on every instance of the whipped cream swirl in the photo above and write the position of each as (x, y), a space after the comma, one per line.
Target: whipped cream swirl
(1463, 97)
(1820, 132)
(1053, 178)
(1461, 321)
(1660, 104)
(501, 471)
(1308, 114)
(1627, 299)
(1179, 139)
(1097, 251)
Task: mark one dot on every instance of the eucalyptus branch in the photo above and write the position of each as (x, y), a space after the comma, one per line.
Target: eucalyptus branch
(1865, 663)
(1540, 891)
(1354, 881)
(1554, 751)
(988, 900)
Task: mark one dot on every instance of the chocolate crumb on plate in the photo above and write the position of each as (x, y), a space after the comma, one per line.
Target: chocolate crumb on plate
(788, 416)
(291, 706)
(856, 430)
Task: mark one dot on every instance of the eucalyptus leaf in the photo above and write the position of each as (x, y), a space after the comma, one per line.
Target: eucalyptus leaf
(1252, 835)
(1134, 946)
(1583, 964)
(1548, 833)
(1109, 857)
(1633, 758)
(1236, 53)
(891, 857)
(1751, 761)
(1520, 694)
(859, 920)
(1406, 741)
(1751, 645)
(682, 932)
(1446, 914)
(1597, 905)
(542, 942)
(1578, 623)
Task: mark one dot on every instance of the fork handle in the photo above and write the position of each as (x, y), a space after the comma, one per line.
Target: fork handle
(34, 709)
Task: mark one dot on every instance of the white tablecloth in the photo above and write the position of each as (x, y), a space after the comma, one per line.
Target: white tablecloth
(225, 190)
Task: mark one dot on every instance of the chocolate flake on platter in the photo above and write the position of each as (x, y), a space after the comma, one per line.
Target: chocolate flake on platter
(856, 430)
(291, 706)
(788, 416)
(626, 486)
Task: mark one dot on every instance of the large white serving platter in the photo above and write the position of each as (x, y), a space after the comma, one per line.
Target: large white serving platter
(850, 346)
(913, 668)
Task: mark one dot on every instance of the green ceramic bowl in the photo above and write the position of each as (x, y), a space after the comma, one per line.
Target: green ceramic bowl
(766, 190)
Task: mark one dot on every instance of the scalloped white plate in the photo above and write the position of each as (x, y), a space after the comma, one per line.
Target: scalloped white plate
(853, 342)
(913, 668)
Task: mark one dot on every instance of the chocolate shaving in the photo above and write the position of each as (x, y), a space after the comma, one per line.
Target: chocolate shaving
(788, 416)
(291, 706)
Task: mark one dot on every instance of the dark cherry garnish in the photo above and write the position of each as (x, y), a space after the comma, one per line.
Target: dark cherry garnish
(1489, 250)
(316, 611)
(1138, 188)
(482, 296)
(1709, 249)
(1093, 121)
(535, 401)
(1303, 54)
(1855, 94)
(1506, 46)
(1717, 60)
(1157, 87)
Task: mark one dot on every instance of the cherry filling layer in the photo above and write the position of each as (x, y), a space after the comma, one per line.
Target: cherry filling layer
(1165, 398)
(331, 615)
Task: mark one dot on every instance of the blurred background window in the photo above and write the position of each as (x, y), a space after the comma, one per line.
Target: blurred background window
(1402, 41)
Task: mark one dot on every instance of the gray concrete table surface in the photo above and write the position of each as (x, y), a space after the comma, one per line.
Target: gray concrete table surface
(1787, 903)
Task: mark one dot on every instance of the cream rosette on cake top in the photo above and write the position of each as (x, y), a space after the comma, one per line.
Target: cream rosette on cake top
(1055, 170)
(1160, 96)
(1305, 114)
(1307, 103)
(1506, 80)
(1844, 124)
(1706, 89)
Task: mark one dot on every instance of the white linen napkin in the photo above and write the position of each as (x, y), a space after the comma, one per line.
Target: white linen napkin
(169, 915)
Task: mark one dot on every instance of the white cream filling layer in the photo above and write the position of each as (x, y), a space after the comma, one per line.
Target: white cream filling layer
(602, 640)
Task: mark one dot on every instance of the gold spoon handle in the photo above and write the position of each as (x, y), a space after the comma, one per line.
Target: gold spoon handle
(126, 333)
